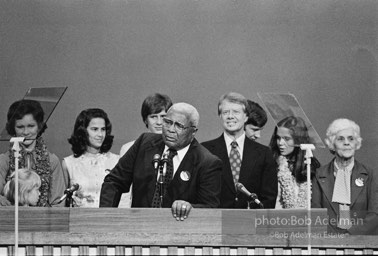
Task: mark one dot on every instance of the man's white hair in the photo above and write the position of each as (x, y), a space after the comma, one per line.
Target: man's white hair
(188, 110)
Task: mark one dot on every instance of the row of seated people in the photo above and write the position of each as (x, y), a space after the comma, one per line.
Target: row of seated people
(207, 175)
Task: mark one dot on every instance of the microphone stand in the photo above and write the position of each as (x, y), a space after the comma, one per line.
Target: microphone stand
(16, 147)
(161, 183)
(69, 200)
(308, 155)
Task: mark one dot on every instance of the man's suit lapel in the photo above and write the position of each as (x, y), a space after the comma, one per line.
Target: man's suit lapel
(155, 147)
(327, 182)
(250, 154)
(218, 147)
(187, 164)
(221, 148)
(361, 175)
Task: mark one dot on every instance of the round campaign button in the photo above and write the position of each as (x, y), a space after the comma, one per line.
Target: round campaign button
(359, 182)
(185, 175)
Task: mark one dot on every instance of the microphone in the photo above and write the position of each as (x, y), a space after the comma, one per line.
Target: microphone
(72, 189)
(155, 161)
(69, 192)
(240, 187)
(164, 162)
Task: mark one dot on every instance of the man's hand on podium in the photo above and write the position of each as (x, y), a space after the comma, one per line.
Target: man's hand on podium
(181, 209)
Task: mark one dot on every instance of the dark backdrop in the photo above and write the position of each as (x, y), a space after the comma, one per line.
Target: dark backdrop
(112, 54)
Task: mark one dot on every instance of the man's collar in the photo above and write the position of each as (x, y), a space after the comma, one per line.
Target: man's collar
(228, 139)
(180, 153)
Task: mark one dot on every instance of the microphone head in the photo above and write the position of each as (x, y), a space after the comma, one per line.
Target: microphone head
(155, 161)
(72, 189)
(164, 159)
(239, 186)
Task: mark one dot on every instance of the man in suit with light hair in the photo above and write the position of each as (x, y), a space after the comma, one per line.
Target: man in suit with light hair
(244, 161)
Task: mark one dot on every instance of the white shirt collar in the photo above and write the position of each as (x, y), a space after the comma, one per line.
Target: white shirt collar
(177, 158)
(239, 140)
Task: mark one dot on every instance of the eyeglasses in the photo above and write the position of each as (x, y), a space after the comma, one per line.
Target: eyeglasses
(178, 127)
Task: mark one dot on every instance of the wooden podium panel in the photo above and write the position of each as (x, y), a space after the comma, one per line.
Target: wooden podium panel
(35, 219)
(109, 231)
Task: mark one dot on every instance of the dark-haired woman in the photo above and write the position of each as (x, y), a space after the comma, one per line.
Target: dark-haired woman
(91, 141)
(25, 118)
(289, 133)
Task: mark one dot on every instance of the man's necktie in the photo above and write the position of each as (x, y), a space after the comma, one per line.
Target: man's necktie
(235, 161)
(167, 179)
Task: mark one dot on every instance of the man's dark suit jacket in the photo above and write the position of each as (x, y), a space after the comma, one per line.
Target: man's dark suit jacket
(258, 174)
(135, 167)
(364, 198)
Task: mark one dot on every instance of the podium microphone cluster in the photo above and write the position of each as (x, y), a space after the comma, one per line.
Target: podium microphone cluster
(160, 163)
(69, 191)
(252, 196)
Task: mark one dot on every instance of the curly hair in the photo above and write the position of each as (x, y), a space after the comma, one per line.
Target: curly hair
(79, 138)
(298, 130)
(338, 125)
(21, 108)
(154, 104)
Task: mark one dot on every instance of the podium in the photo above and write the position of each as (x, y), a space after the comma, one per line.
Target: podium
(113, 231)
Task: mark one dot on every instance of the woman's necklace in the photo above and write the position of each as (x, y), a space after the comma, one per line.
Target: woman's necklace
(41, 158)
(287, 182)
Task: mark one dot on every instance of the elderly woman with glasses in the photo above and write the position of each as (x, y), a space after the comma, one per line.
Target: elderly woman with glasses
(346, 187)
